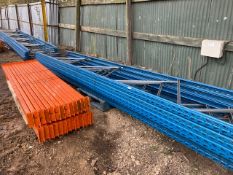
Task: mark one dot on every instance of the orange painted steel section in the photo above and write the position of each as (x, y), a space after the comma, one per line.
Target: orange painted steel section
(50, 106)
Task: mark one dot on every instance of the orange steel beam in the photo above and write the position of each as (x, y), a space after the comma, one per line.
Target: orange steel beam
(47, 104)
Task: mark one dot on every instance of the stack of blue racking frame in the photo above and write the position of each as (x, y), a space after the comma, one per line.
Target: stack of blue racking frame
(193, 113)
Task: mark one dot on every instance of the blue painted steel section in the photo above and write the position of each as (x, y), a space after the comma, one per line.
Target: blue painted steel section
(212, 96)
(46, 47)
(195, 91)
(202, 133)
(17, 47)
(23, 51)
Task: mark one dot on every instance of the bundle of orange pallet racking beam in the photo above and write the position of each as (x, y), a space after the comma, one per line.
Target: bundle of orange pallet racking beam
(48, 105)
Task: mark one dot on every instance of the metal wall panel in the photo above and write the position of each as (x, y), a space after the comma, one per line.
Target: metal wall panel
(209, 19)
(4, 18)
(37, 19)
(12, 17)
(178, 18)
(220, 23)
(67, 37)
(67, 15)
(103, 16)
(109, 47)
(24, 18)
(109, 17)
(52, 17)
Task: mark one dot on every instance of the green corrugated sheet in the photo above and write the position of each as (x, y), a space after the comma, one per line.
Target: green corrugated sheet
(209, 19)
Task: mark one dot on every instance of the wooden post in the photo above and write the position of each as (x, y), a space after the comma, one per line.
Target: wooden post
(7, 16)
(17, 16)
(78, 25)
(1, 15)
(30, 19)
(45, 23)
(59, 40)
(129, 31)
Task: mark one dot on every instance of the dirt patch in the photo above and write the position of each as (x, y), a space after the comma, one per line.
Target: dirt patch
(104, 146)
(115, 144)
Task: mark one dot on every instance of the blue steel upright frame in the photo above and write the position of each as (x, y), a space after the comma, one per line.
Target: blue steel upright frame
(202, 133)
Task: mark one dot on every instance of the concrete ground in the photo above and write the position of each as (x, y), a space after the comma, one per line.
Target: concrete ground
(115, 144)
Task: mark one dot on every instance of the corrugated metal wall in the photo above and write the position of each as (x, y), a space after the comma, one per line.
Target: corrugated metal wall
(67, 16)
(208, 19)
(212, 19)
(104, 16)
(4, 21)
(101, 16)
(9, 19)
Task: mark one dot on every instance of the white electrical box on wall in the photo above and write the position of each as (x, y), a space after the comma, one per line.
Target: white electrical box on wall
(212, 48)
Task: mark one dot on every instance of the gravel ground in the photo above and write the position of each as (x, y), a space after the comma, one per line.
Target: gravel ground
(116, 144)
